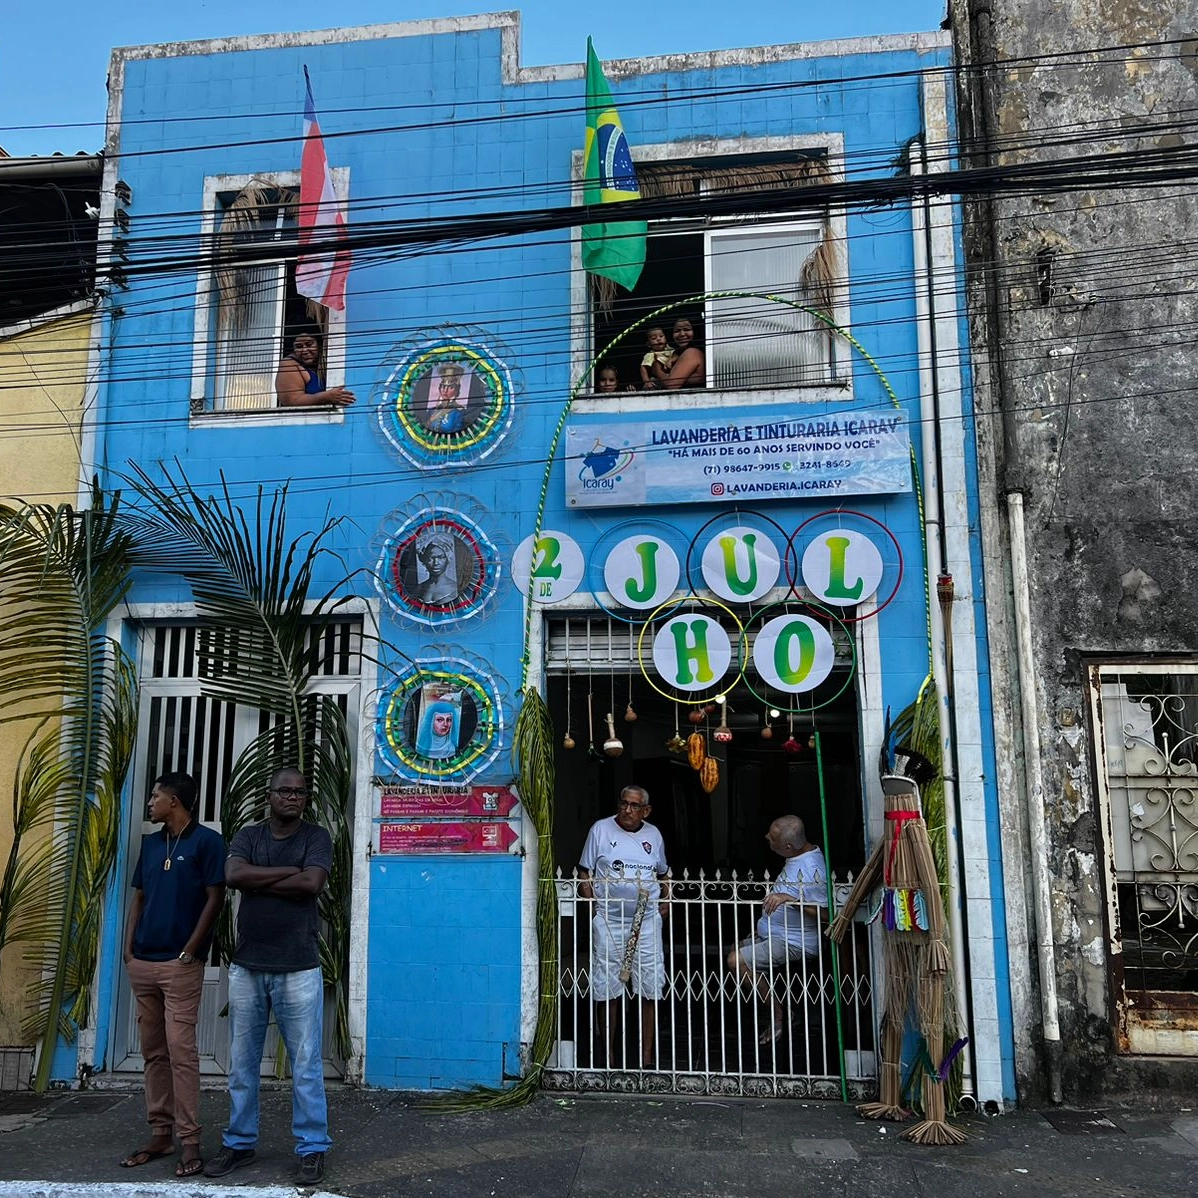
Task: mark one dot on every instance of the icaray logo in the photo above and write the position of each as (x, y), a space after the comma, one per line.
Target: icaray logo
(601, 467)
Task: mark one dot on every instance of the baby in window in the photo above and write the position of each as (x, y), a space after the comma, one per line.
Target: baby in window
(660, 351)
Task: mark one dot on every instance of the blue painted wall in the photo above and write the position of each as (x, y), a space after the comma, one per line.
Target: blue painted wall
(427, 127)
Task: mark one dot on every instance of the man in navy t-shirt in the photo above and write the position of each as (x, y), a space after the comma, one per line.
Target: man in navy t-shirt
(178, 888)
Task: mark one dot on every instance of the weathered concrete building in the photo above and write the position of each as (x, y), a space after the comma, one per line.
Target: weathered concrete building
(1082, 294)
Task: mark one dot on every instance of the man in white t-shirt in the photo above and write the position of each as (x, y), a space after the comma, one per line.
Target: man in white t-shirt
(789, 927)
(623, 869)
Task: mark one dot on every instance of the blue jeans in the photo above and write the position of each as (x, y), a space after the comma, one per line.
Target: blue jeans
(297, 1000)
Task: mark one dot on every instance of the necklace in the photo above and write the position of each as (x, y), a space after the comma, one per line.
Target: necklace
(166, 865)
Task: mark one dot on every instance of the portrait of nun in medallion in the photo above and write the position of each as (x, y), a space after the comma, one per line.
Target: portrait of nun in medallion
(440, 724)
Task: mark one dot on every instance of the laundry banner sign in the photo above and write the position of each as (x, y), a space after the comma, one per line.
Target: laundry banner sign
(703, 457)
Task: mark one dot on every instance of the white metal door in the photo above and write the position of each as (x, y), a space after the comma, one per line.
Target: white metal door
(181, 729)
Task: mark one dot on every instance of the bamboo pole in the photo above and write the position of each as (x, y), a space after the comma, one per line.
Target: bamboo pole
(823, 815)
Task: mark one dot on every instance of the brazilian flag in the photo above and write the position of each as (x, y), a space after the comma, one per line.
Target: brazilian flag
(615, 249)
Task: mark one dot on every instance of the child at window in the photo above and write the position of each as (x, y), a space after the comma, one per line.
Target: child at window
(660, 351)
(607, 380)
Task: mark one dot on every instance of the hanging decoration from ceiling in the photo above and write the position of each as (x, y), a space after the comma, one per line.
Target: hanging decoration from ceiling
(436, 564)
(441, 720)
(448, 399)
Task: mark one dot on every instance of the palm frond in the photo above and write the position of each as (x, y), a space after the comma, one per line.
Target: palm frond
(253, 587)
(258, 647)
(62, 573)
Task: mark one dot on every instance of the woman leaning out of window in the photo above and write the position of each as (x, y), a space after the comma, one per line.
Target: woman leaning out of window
(298, 383)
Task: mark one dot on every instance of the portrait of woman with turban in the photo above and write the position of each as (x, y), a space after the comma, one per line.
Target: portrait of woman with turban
(437, 555)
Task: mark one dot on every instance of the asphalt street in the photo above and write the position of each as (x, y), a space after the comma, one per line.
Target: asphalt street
(597, 1147)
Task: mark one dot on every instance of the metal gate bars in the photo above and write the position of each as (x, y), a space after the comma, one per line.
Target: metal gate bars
(711, 1033)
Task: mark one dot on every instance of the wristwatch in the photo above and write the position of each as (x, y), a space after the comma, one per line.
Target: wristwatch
(186, 957)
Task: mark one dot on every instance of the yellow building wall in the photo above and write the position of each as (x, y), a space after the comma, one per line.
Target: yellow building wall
(43, 376)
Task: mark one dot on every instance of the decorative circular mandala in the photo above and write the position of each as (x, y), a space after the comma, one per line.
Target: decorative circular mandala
(447, 401)
(440, 722)
(438, 566)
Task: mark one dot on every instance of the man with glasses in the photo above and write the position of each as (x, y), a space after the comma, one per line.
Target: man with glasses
(623, 868)
(280, 866)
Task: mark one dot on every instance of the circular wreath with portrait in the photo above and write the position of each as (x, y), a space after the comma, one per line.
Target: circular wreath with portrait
(439, 724)
(447, 401)
(438, 566)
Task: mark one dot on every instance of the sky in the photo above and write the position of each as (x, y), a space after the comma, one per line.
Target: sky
(54, 57)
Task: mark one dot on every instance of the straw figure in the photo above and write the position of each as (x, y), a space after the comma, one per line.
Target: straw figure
(918, 963)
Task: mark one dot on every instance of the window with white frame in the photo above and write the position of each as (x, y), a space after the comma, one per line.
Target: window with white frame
(248, 311)
(748, 341)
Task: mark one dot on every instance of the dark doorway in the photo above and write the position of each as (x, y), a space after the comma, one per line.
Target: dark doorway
(760, 780)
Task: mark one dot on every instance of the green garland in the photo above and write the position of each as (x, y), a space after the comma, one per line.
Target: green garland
(532, 752)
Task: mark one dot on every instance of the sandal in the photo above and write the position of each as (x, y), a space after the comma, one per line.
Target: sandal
(143, 1156)
(189, 1166)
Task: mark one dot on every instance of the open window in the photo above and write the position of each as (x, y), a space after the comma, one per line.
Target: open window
(249, 311)
(749, 342)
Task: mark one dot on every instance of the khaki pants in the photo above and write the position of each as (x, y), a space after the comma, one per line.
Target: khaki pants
(168, 1002)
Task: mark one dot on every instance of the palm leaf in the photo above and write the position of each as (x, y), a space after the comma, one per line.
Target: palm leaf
(258, 647)
(253, 587)
(62, 573)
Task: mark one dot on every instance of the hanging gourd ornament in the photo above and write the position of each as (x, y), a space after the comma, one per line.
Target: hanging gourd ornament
(567, 741)
(767, 733)
(709, 775)
(723, 734)
(629, 714)
(792, 746)
(613, 746)
(696, 749)
(697, 716)
(676, 744)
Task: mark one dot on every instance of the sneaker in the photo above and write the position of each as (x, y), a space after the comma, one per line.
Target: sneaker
(228, 1159)
(311, 1168)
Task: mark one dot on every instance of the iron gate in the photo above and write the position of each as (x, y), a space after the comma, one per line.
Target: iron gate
(1147, 722)
(712, 1035)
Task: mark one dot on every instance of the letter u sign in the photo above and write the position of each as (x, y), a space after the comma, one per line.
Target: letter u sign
(740, 564)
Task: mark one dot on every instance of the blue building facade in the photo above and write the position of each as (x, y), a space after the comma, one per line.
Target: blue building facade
(510, 532)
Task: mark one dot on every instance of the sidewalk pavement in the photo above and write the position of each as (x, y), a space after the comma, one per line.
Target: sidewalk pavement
(389, 1144)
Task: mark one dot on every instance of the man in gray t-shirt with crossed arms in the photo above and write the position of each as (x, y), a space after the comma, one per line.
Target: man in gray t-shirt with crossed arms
(280, 866)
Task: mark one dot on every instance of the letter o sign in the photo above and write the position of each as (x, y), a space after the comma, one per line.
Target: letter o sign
(794, 653)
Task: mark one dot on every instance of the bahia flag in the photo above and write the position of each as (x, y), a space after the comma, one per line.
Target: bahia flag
(320, 276)
(614, 249)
